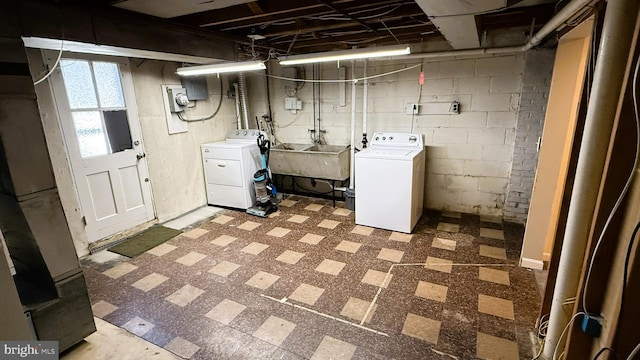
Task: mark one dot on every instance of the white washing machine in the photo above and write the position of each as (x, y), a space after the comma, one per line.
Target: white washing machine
(389, 182)
(229, 166)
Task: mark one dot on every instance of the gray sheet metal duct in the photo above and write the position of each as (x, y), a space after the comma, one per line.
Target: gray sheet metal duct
(242, 87)
(560, 18)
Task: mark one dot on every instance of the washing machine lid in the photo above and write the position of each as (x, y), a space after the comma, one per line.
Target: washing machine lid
(389, 153)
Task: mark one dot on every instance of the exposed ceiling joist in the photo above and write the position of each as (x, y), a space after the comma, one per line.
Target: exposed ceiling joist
(346, 14)
(305, 26)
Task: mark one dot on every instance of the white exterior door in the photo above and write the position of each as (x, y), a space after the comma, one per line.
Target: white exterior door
(98, 116)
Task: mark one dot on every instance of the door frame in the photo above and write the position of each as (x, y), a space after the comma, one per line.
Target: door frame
(75, 161)
(570, 69)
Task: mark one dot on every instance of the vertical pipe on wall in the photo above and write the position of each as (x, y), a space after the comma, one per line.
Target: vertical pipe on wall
(364, 106)
(617, 35)
(314, 87)
(353, 125)
(319, 118)
(242, 84)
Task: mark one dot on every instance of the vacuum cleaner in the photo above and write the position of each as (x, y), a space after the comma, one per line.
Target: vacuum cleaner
(263, 186)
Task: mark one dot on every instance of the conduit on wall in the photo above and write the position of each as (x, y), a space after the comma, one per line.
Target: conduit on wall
(365, 102)
(353, 127)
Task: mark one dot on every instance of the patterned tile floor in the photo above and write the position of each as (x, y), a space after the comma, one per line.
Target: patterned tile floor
(308, 283)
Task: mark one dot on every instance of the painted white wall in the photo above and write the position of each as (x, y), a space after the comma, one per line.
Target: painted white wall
(175, 161)
(468, 155)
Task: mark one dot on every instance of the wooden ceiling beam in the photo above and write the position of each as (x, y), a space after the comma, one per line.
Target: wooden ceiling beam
(255, 8)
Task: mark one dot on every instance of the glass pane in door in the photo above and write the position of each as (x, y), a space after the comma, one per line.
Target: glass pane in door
(109, 85)
(118, 130)
(90, 133)
(78, 82)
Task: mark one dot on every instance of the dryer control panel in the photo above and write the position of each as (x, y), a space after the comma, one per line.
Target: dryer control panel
(246, 134)
(395, 140)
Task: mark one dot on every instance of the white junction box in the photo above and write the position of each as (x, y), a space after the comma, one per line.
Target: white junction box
(291, 103)
(412, 109)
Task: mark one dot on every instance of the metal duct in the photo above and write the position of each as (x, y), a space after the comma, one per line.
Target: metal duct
(456, 19)
(242, 87)
(560, 18)
(238, 113)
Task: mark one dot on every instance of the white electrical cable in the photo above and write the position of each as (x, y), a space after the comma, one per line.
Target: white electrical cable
(573, 318)
(345, 80)
(634, 352)
(55, 65)
(542, 334)
(625, 189)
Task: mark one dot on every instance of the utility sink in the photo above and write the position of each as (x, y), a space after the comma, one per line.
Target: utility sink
(313, 161)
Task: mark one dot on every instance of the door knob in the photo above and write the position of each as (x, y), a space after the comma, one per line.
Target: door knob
(140, 156)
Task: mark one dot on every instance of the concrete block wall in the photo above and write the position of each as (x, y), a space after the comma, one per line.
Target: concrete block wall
(469, 155)
(530, 121)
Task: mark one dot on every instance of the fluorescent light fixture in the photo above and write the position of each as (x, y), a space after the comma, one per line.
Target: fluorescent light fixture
(221, 68)
(353, 54)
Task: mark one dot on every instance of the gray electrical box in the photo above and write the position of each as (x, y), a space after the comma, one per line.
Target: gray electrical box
(196, 87)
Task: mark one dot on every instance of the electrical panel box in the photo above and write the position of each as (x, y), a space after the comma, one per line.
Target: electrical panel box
(196, 87)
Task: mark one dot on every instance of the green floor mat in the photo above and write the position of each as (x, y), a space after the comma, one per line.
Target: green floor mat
(141, 242)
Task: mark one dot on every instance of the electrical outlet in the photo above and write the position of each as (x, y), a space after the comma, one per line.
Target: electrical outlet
(412, 109)
(455, 107)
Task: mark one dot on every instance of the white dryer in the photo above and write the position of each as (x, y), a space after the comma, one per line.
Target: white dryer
(229, 166)
(389, 182)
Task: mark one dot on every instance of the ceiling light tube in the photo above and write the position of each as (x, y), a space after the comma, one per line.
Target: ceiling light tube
(221, 68)
(353, 54)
